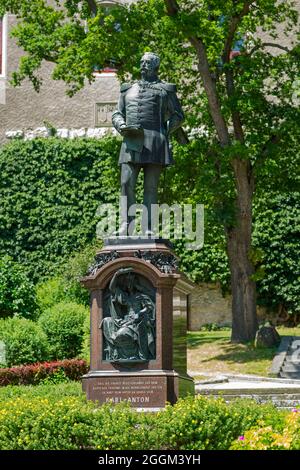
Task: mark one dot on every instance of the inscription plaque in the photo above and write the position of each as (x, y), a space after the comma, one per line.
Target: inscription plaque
(103, 113)
(139, 391)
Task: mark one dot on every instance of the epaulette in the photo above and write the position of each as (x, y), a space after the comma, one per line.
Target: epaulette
(125, 87)
(168, 86)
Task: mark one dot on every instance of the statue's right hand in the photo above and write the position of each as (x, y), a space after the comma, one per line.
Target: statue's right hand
(122, 129)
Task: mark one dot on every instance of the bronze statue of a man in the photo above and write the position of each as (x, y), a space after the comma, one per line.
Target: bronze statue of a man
(148, 111)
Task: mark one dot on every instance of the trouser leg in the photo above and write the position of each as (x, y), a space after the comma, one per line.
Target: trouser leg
(129, 175)
(151, 179)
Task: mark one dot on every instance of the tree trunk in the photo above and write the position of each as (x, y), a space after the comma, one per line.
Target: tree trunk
(244, 318)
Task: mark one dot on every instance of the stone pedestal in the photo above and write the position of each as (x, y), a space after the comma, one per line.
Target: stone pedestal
(157, 372)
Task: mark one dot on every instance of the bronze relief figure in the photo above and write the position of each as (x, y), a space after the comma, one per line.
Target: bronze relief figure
(129, 327)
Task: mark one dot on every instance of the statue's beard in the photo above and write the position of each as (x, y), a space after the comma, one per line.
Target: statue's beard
(149, 75)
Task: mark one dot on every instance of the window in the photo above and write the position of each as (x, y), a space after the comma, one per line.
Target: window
(111, 67)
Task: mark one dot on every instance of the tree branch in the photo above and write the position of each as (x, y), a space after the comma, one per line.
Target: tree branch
(269, 44)
(172, 7)
(211, 91)
(235, 21)
(208, 82)
(92, 6)
(236, 117)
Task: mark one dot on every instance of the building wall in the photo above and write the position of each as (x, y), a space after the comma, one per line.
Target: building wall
(22, 109)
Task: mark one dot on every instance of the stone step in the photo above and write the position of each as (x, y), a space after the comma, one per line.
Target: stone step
(264, 392)
(290, 375)
(288, 354)
(282, 401)
(290, 367)
(291, 358)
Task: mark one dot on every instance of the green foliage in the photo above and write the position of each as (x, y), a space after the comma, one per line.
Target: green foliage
(57, 377)
(66, 287)
(43, 420)
(276, 235)
(75, 268)
(214, 327)
(52, 372)
(63, 325)
(208, 424)
(17, 292)
(50, 292)
(50, 191)
(271, 438)
(25, 342)
(50, 391)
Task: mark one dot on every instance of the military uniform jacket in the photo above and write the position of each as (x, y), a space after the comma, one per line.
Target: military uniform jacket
(154, 108)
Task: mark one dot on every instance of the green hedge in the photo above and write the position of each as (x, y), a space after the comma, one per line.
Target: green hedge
(50, 190)
(272, 438)
(69, 422)
(45, 372)
(25, 341)
(63, 324)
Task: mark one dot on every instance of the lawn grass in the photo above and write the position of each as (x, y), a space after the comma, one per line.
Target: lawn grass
(51, 391)
(210, 352)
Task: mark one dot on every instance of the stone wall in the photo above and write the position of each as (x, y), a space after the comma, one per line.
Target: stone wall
(208, 305)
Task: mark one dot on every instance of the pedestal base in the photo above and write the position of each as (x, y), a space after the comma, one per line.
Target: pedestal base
(143, 389)
(118, 374)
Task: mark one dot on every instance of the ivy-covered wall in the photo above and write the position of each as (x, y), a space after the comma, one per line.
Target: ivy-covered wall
(50, 190)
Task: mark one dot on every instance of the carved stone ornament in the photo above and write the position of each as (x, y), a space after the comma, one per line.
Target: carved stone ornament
(165, 262)
(100, 260)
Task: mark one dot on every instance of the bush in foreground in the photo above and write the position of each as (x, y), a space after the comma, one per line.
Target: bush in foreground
(24, 340)
(270, 438)
(68, 421)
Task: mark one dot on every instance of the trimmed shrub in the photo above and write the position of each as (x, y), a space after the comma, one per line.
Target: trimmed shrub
(17, 292)
(64, 326)
(25, 342)
(85, 352)
(199, 423)
(73, 369)
(207, 424)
